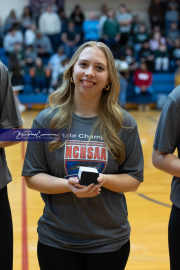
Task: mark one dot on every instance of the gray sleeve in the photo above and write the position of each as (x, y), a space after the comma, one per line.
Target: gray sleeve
(134, 161)
(9, 112)
(168, 129)
(35, 159)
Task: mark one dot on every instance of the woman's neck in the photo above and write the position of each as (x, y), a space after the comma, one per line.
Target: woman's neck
(85, 107)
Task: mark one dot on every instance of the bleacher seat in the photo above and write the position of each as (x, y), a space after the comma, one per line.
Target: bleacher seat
(2, 51)
(4, 59)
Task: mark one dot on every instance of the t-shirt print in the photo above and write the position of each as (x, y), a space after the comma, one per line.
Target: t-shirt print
(83, 153)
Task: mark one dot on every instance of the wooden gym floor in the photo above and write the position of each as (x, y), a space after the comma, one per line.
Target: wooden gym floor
(149, 207)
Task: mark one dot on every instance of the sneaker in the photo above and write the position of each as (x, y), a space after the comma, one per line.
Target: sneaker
(140, 108)
(22, 108)
(147, 108)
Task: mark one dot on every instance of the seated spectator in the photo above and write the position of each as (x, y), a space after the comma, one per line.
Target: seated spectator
(30, 35)
(42, 45)
(172, 14)
(70, 38)
(156, 40)
(135, 24)
(130, 59)
(29, 57)
(10, 21)
(122, 68)
(111, 33)
(156, 14)
(175, 54)
(12, 37)
(56, 58)
(78, 17)
(26, 19)
(91, 28)
(162, 58)
(146, 55)
(17, 80)
(38, 73)
(57, 73)
(141, 36)
(50, 25)
(124, 19)
(172, 34)
(143, 82)
(63, 19)
(18, 53)
(102, 19)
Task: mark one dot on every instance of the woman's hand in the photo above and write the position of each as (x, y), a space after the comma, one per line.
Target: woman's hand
(83, 191)
(101, 179)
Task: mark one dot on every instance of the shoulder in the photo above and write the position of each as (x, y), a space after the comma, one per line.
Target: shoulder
(128, 120)
(3, 71)
(44, 117)
(175, 96)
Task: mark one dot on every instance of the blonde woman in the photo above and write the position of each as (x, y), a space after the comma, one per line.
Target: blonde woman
(85, 227)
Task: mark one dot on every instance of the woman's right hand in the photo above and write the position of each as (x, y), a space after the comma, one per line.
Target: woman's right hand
(86, 192)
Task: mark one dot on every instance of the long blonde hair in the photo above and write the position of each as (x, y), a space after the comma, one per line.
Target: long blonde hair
(110, 118)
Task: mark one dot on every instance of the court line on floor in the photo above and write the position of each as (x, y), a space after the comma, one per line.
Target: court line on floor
(152, 119)
(152, 200)
(24, 220)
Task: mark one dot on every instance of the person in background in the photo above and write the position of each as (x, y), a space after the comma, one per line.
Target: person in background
(122, 68)
(38, 73)
(91, 28)
(12, 37)
(30, 35)
(70, 38)
(57, 73)
(156, 40)
(29, 58)
(172, 34)
(50, 25)
(124, 19)
(42, 45)
(172, 14)
(17, 80)
(143, 84)
(26, 19)
(78, 17)
(175, 54)
(162, 58)
(130, 59)
(111, 32)
(9, 119)
(63, 19)
(141, 36)
(102, 19)
(147, 55)
(10, 21)
(56, 58)
(156, 14)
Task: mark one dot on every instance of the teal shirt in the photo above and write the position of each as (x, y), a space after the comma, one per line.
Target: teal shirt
(111, 28)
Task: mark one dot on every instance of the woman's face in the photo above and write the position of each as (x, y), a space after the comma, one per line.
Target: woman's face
(90, 72)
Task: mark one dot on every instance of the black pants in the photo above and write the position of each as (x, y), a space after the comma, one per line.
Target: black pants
(57, 259)
(174, 238)
(6, 232)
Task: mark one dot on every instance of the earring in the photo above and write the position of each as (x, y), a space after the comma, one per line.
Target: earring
(106, 87)
(72, 80)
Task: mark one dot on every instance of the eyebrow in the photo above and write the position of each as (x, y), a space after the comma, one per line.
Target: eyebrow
(99, 63)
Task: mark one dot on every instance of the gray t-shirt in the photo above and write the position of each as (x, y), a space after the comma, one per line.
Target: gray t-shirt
(167, 137)
(9, 118)
(88, 225)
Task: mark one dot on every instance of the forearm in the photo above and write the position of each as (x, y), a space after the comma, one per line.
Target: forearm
(8, 143)
(168, 163)
(47, 184)
(120, 183)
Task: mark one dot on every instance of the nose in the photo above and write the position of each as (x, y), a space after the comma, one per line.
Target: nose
(89, 72)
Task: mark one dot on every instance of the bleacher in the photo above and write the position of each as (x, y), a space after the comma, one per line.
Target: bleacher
(163, 83)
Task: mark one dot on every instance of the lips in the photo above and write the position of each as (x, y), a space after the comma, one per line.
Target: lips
(88, 83)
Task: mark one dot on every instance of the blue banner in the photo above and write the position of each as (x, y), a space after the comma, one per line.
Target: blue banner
(33, 135)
